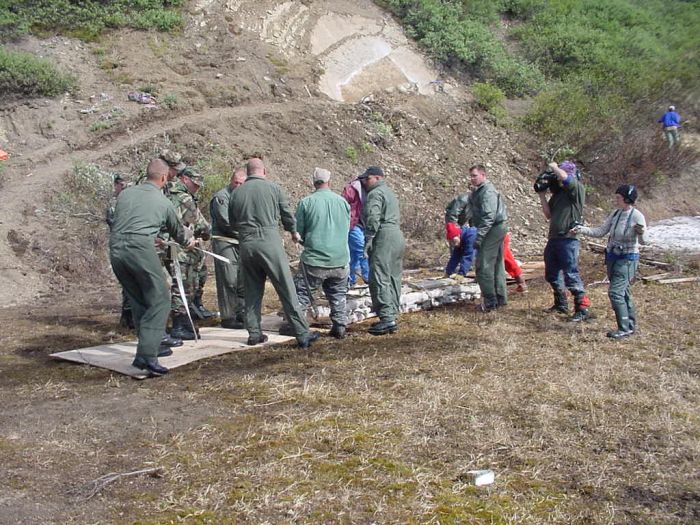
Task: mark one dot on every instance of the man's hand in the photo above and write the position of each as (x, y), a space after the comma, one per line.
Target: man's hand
(191, 244)
(553, 165)
(455, 242)
(296, 237)
(160, 243)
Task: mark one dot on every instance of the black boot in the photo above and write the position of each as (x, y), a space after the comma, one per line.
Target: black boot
(338, 331)
(307, 340)
(233, 324)
(170, 341)
(561, 305)
(127, 320)
(182, 328)
(151, 365)
(202, 311)
(384, 327)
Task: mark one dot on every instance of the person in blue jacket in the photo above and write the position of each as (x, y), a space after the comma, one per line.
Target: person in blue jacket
(671, 122)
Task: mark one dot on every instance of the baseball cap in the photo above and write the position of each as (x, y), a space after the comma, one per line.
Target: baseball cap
(196, 177)
(321, 175)
(372, 170)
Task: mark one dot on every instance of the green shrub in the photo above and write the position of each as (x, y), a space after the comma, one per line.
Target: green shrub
(86, 19)
(351, 153)
(25, 74)
(490, 98)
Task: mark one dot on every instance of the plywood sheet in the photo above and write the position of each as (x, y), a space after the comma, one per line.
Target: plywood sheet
(214, 341)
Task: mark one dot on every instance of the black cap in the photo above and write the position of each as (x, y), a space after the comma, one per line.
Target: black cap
(628, 192)
(372, 170)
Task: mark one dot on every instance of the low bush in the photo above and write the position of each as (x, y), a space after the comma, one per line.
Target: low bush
(26, 74)
(86, 19)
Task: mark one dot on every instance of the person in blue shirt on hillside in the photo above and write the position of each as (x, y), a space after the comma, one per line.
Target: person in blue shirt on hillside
(671, 122)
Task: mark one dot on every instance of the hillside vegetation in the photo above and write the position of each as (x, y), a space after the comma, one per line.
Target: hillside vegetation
(596, 67)
(23, 74)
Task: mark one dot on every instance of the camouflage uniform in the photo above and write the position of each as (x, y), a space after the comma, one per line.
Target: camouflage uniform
(191, 262)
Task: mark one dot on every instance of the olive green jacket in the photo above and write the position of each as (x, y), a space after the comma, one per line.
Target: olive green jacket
(218, 210)
(457, 211)
(259, 204)
(487, 209)
(144, 210)
(381, 210)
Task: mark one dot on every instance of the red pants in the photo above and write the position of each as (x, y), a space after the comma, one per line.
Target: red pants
(512, 267)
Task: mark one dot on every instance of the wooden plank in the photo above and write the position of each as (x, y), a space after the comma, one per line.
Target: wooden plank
(656, 277)
(679, 280)
(118, 357)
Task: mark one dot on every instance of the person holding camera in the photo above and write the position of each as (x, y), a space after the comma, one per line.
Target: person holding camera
(564, 210)
(625, 226)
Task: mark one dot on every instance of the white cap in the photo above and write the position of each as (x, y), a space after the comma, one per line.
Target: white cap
(672, 108)
(321, 175)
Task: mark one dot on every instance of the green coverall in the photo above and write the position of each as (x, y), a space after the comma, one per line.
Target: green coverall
(140, 213)
(255, 210)
(488, 216)
(385, 246)
(229, 281)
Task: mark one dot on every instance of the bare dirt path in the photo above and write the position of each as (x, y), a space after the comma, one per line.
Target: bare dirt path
(30, 182)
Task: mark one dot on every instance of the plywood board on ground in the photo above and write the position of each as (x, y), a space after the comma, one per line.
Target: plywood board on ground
(214, 341)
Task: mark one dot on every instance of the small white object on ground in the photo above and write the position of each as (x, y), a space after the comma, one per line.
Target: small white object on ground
(481, 477)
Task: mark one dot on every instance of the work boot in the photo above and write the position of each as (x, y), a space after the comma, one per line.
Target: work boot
(127, 320)
(170, 341)
(619, 334)
(308, 339)
(338, 331)
(151, 365)
(256, 339)
(561, 305)
(384, 327)
(286, 329)
(164, 351)
(580, 315)
(232, 324)
(202, 311)
(182, 328)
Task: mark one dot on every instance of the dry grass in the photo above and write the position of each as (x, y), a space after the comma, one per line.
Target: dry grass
(578, 429)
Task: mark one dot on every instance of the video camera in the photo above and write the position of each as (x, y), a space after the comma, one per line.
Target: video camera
(545, 181)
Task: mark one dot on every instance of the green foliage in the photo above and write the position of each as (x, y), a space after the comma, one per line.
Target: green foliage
(170, 101)
(458, 33)
(351, 153)
(490, 98)
(25, 74)
(86, 19)
(596, 66)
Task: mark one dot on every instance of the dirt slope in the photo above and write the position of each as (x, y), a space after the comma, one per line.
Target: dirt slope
(245, 77)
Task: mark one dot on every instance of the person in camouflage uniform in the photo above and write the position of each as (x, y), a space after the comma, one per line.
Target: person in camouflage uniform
(385, 247)
(229, 282)
(181, 193)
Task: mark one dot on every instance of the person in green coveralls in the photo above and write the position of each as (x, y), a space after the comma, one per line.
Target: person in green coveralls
(229, 283)
(255, 210)
(323, 222)
(385, 245)
(140, 213)
(489, 217)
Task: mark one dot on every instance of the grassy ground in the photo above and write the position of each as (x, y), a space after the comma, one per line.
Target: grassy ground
(577, 428)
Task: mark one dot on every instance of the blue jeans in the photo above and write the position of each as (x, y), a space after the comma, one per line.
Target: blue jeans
(561, 266)
(463, 255)
(356, 243)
